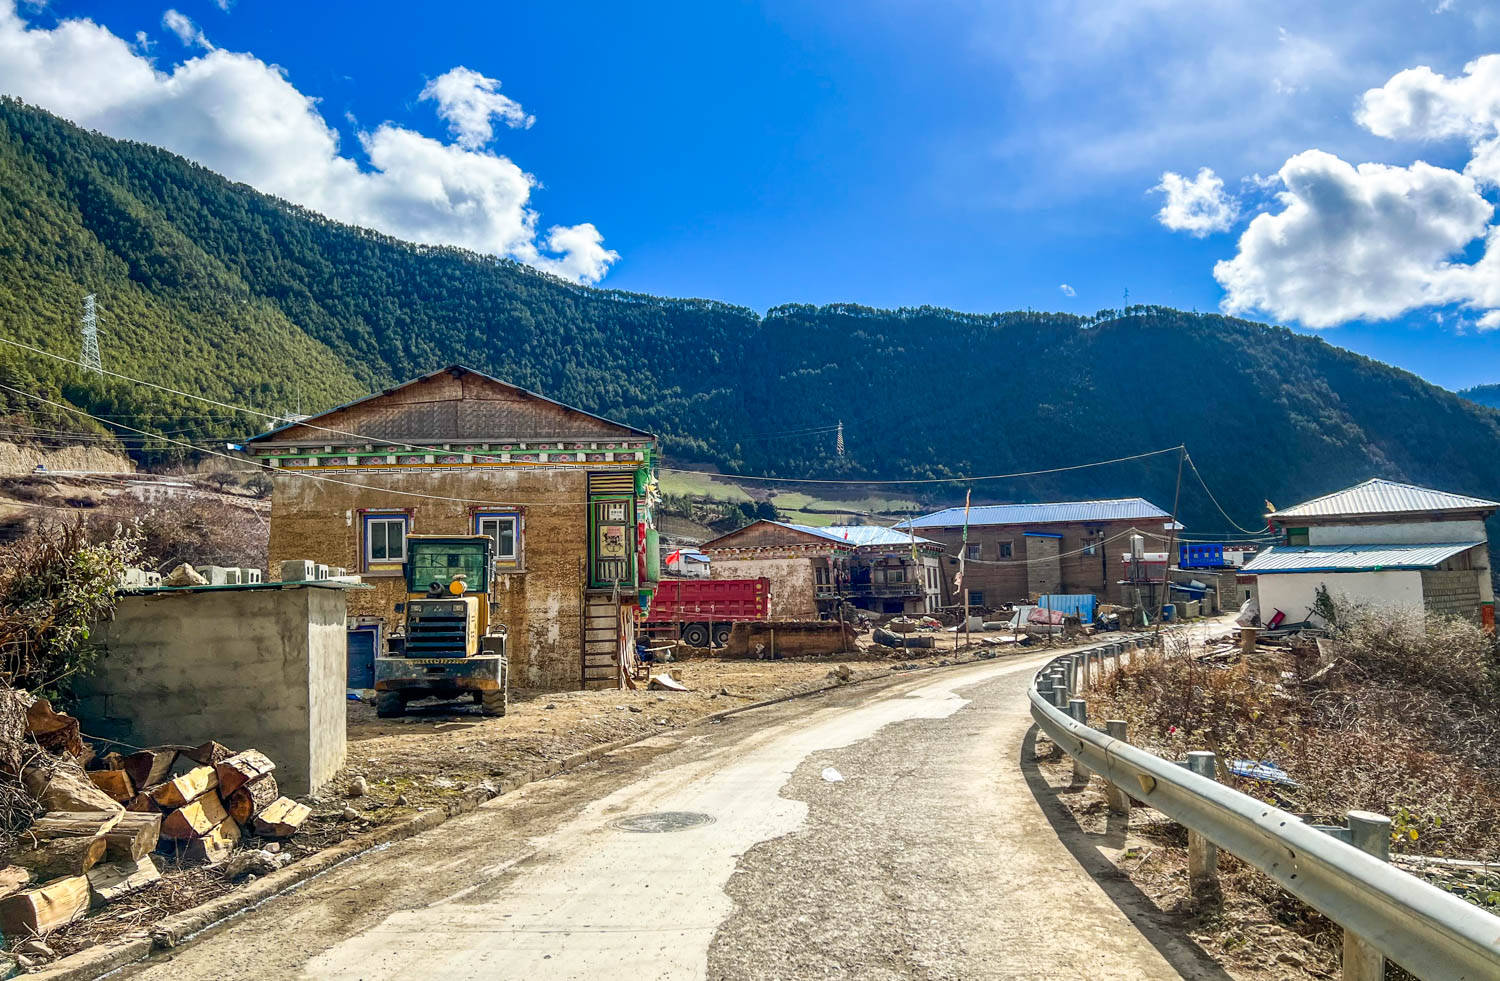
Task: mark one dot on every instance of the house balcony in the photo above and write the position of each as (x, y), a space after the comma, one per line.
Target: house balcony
(886, 590)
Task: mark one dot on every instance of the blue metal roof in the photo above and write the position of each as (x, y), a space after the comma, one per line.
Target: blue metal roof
(1117, 509)
(1352, 558)
(1380, 496)
(862, 535)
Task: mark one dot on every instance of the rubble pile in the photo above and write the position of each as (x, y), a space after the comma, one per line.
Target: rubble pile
(110, 823)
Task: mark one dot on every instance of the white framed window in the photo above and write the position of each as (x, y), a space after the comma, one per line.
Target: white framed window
(385, 539)
(504, 528)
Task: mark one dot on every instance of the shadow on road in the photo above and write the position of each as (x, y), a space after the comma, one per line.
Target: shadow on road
(1157, 927)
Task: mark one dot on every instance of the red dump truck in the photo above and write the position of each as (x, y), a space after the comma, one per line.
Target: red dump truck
(699, 612)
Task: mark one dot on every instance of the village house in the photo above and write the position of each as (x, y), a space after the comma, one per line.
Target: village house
(891, 571)
(566, 496)
(1017, 552)
(806, 565)
(1380, 542)
(810, 569)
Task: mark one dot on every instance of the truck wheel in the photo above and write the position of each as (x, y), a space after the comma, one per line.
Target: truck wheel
(721, 635)
(695, 635)
(493, 702)
(389, 704)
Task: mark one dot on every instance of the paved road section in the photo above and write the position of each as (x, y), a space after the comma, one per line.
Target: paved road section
(886, 831)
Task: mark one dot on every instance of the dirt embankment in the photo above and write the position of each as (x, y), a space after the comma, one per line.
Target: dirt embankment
(22, 458)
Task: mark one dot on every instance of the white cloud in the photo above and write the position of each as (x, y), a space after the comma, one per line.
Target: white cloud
(1198, 206)
(1068, 290)
(1366, 242)
(1421, 104)
(238, 115)
(468, 101)
(187, 32)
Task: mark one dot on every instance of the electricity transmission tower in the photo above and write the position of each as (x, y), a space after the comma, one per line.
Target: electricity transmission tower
(840, 443)
(90, 357)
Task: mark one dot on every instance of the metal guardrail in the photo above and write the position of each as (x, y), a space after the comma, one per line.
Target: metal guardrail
(1383, 910)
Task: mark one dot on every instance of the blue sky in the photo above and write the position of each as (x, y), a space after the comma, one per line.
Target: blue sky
(963, 154)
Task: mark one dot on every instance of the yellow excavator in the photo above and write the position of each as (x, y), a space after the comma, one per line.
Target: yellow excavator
(448, 644)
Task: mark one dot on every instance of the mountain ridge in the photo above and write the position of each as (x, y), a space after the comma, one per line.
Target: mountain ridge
(212, 287)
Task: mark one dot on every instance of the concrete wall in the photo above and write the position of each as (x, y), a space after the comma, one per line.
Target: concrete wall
(1295, 593)
(319, 520)
(1396, 533)
(784, 639)
(252, 668)
(793, 596)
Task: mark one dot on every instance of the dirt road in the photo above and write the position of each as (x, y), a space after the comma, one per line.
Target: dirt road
(888, 831)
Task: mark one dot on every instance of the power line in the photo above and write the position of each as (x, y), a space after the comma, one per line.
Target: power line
(314, 476)
(926, 480)
(1204, 484)
(784, 480)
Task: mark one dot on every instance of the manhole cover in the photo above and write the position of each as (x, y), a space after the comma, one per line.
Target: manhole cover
(662, 821)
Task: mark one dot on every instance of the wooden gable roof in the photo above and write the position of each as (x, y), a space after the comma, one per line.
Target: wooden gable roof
(774, 534)
(456, 404)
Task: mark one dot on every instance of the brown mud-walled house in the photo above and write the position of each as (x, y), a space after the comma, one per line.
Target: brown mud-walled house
(1017, 552)
(566, 496)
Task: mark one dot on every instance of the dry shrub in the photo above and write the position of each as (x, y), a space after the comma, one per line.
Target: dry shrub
(1404, 724)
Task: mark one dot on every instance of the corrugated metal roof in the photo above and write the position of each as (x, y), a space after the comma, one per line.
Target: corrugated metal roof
(862, 535)
(1118, 509)
(809, 529)
(1379, 496)
(1352, 558)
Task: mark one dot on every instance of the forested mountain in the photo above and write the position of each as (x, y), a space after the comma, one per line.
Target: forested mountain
(1488, 395)
(210, 287)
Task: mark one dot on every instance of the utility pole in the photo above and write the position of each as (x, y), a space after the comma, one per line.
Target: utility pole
(1166, 571)
(91, 360)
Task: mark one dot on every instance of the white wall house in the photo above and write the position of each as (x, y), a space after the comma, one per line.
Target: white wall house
(1382, 543)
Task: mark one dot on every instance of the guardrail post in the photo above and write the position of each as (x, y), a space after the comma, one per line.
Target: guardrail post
(1044, 686)
(1079, 710)
(1060, 692)
(1119, 801)
(1369, 833)
(1203, 855)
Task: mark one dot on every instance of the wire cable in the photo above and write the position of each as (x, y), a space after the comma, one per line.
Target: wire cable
(314, 476)
(1204, 484)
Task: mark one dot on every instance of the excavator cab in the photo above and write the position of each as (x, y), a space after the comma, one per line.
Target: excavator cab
(447, 646)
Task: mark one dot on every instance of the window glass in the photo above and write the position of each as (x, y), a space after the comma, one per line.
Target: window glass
(971, 550)
(502, 531)
(386, 539)
(976, 597)
(1005, 550)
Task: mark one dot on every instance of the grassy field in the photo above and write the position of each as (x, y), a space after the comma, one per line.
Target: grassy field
(798, 506)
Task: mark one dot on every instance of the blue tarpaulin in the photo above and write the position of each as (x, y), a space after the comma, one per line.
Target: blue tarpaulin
(1080, 605)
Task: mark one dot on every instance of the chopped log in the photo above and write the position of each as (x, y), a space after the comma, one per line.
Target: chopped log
(212, 848)
(186, 788)
(194, 820)
(251, 799)
(242, 768)
(112, 880)
(150, 767)
(209, 754)
(63, 786)
(43, 909)
(143, 802)
(60, 857)
(13, 879)
(135, 835)
(112, 760)
(73, 824)
(56, 732)
(14, 744)
(115, 783)
(281, 819)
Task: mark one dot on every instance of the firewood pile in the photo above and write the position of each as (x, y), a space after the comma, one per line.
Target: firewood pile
(111, 821)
